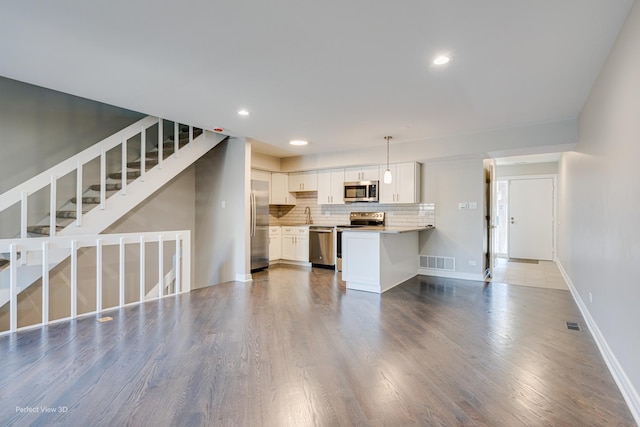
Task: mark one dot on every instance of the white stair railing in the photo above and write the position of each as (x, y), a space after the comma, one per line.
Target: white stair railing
(19, 194)
(116, 196)
(180, 271)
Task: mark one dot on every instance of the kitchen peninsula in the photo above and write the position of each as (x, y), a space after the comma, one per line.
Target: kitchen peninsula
(375, 259)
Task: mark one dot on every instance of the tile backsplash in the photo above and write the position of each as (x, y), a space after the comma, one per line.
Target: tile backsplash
(419, 214)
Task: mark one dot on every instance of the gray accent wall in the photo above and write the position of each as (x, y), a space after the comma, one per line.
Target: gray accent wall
(222, 175)
(599, 205)
(42, 127)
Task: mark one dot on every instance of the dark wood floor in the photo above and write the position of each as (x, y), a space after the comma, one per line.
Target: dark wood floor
(294, 348)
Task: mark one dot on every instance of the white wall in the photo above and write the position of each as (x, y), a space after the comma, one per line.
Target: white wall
(265, 162)
(599, 231)
(459, 233)
(547, 168)
(222, 175)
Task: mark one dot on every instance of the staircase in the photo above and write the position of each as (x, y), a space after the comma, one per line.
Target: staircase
(151, 153)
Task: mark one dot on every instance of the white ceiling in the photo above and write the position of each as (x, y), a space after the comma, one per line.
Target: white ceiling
(342, 74)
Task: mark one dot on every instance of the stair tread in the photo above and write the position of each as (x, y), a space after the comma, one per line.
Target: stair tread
(42, 229)
(130, 175)
(109, 187)
(89, 200)
(149, 163)
(68, 214)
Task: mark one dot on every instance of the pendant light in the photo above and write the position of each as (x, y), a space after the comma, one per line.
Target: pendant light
(387, 174)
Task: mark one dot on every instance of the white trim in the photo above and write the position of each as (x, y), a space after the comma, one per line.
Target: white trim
(625, 385)
(479, 277)
(243, 278)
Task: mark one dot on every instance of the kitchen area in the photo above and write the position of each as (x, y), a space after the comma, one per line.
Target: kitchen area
(316, 219)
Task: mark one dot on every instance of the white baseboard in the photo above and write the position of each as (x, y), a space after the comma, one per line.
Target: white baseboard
(243, 277)
(451, 274)
(627, 389)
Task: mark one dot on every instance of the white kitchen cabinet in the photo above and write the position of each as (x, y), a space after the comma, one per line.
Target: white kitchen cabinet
(331, 187)
(303, 181)
(405, 187)
(280, 194)
(365, 173)
(275, 243)
(295, 244)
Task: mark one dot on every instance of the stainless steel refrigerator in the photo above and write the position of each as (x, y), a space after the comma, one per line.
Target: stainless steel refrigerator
(259, 225)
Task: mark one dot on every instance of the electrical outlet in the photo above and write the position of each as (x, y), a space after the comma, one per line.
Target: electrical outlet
(590, 298)
(473, 205)
(473, 262)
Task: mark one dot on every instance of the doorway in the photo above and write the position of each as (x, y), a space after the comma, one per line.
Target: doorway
(525, 211)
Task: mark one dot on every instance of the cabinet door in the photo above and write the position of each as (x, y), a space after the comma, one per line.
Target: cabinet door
(303, 181)
(275, 247)
(302, 248)
(388, 191)
(407, 183)
(324, 187)
(337, 186)
(296, 181)
(330, 187)
(288, 247)
(370, 173)
(367, 173)
(280, 190)
(353, 174)
(310, 181)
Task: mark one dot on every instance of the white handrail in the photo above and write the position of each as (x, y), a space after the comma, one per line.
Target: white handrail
(73, 244)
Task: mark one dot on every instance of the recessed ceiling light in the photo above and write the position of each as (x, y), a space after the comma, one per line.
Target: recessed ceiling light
(243, 112)
(440, 60)
(298, 142)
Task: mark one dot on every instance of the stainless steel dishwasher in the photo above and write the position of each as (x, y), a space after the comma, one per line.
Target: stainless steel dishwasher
(321, 246)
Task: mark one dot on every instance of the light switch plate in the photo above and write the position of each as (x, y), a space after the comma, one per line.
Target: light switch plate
(473, 205)
(463, 205)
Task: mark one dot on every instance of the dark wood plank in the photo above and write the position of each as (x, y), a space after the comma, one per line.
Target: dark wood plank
(295, 348)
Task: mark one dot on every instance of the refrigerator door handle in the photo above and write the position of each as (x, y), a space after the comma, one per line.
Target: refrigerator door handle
(252, 201)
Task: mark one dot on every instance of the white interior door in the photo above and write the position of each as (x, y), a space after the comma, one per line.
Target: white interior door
(531, 218)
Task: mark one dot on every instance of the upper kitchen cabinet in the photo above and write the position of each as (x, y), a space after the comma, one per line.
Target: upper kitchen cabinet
(303, 181)
(330, 187)
(366, 173)
(280, 194)
(405, 187)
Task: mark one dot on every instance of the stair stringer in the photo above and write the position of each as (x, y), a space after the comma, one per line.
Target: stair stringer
(97, 220)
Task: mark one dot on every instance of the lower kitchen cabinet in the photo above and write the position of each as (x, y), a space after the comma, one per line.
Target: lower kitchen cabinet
(275, 243)
(295, 244)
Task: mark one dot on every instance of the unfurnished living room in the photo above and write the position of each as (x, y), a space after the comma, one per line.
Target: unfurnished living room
(330, 213)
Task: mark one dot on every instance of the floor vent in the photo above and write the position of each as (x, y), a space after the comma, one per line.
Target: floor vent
(438, 262)
(573, 326)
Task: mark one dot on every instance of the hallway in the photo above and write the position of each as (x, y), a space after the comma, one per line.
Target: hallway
(539, 274)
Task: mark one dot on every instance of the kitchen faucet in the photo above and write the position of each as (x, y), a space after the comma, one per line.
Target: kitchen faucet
(307, 213)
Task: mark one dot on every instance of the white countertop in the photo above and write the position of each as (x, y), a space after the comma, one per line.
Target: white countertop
(388, 229)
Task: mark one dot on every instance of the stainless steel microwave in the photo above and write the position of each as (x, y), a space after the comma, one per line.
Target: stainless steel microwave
(361, 191)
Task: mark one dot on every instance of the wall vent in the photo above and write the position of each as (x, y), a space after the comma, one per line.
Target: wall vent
(438, 262)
